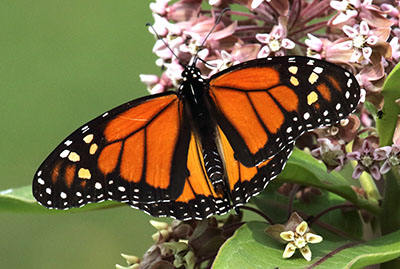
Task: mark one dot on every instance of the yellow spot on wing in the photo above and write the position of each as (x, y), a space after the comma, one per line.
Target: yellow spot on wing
(84, 173)
(93, 148)
(313, 78)
(312, 97)
(74, 157)
(293, 69)
(88, 138)
(294, 81)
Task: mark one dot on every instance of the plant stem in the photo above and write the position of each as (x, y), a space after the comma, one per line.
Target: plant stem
(268, 219)
(293, 192)
(328, 210)
(390, 217)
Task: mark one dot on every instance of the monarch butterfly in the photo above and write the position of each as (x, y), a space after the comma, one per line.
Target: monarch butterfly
(203, 149)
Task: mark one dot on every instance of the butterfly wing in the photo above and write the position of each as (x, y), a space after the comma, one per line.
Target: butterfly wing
(198, 199)
(127, 154)
(265, 104)
(246, 182)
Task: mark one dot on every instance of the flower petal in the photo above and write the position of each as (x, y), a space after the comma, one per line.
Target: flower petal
(355, 56)
(358, 170)
(313, 42)
(289, 250)
(158, 88)
(386, 166)
(302, 228)
(263, 38)
(149, 79)
(336, 5)
(350, 31)
(288, 44)
(364, 29)
(287, 236)
(306, 252)
(264, 52)
(382, 153)
(372, 40)
(226, 56)
(256, 3)
(366, 146)
(374, 169)
(355, 155)
(367, 51)
(313, 238)
(396, 149)
(346, 45)
(342, 17)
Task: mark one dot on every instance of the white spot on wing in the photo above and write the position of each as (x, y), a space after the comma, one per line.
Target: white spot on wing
(64, 153)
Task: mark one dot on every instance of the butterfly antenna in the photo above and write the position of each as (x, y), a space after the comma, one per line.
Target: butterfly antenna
(162, 40)
(196, 57)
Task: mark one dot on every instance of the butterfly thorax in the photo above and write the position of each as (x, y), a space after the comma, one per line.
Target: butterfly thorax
(197, 108)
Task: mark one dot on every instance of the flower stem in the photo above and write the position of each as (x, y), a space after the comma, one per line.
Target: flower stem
(319, 215)
(268, 219)
(292, 193)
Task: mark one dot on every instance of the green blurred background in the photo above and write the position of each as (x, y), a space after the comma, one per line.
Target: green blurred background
(61, 64)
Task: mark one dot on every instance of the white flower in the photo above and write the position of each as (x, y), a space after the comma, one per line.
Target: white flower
(224, 62)
(299, 240)
(274, 42)
(361, 40)
(347, 9)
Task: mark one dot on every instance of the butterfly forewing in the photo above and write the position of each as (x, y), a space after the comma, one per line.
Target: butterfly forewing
(283, 97)
(125, 154)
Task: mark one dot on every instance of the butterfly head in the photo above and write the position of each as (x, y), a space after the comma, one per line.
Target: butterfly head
(191, 75)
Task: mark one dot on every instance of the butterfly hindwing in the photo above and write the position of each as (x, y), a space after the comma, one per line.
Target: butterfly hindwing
(126, 154)
(265, 104)
(246, 182)
(199, 200)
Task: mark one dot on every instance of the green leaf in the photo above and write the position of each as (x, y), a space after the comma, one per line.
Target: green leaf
(21, 200)
(251, 245)
(303, 169)
(391, 92)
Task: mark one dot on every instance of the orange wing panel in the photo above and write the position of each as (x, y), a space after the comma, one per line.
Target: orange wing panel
(161, 139)
(234, 169)
(108, 158)
(268, 110)
(199, 183)
(135, 118)
(69, 174)
(133, 158)
(55, 172)
(323, 89)
(286, 97)
(335, 83)
(251, 78)
(237, 108)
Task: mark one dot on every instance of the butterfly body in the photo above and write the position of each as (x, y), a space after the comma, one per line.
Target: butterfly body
(202, 150)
